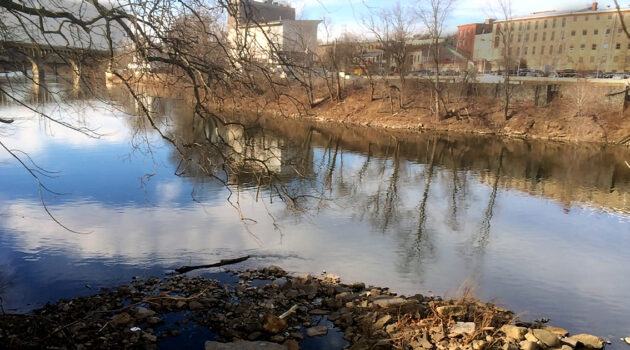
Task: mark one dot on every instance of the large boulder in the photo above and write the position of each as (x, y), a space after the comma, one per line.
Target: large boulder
(589, 341)
(514, 332)
(546, 337)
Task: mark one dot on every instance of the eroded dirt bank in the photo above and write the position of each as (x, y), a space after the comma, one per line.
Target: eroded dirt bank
(270, 309)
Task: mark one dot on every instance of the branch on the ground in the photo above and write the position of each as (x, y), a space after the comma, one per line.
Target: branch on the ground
(223, 262)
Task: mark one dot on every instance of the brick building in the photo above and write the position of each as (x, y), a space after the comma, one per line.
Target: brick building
(466, 36)
(589, 39)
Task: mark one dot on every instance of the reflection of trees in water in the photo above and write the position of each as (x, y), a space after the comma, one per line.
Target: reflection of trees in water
(484, 232)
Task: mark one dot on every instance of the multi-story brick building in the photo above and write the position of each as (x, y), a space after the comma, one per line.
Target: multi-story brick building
(590, 39)
(466, 36)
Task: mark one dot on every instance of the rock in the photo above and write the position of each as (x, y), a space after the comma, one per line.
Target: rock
(149, 337)
(461, 328)
(560, 332)
(452, 310)
(388, 301)
(569, 341)
(514, 332)
(382, 322)
(508, 346)
(564, 347)
(317, 331)
(528, 345)
(292, 345)
(277, 338)
(479, 344)
(154, 320)
(142, 313)
(626, 340)
(243, 345)
(274, 324)
(589, 341)
(531, 337)
(180, 304)
(254, 335)
(546, 337)
(120, 319)
(195, 305)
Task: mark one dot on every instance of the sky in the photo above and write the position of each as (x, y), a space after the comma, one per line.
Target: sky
(345, 15)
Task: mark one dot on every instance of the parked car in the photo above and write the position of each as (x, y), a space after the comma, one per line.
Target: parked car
(567, 73)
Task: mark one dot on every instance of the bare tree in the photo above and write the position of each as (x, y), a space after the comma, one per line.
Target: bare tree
(393, 29)
(503, 41)
(433, 14)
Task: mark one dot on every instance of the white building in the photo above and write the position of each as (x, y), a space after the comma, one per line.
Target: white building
(268, 32)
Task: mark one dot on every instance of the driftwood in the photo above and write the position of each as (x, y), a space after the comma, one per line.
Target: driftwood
(223, 262)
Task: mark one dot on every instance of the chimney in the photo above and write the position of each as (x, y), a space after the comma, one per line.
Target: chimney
(594, 6)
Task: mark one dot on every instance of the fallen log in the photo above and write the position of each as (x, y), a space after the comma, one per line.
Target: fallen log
(223, 262)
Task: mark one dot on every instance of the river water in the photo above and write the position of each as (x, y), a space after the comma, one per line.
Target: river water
(540, 228)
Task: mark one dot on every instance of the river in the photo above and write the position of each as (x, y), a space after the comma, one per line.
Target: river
(540, 228)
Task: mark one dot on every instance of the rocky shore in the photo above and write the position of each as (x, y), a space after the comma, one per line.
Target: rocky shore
(269, 309)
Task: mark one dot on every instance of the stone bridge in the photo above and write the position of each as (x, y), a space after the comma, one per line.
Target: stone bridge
(17, 56)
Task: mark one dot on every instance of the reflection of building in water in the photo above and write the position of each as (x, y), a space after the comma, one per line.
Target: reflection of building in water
(257, 150)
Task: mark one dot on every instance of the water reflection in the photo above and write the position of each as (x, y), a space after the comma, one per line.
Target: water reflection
(542, 226)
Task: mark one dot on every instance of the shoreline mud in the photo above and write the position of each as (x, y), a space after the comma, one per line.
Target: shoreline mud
(270, 309)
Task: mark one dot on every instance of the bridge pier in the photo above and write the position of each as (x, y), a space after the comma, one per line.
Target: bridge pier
(37, 67)
(76, 73)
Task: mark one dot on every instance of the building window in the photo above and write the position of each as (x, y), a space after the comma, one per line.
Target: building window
(542, 50)
(594, 47)
(571, 48)
(534, 50)
(607, 31)
(554, 23)
(585, 18)
(619, 31)
(597, 17)
(573, 33)
(618, 46)
(574, 18)
(592, 59)
(529, 25)
(496, 42)
(564, 22)
(560, 49)
(520, 36)
(595, 32)
(536, 25)
(583, 46)
(518, 51)
(584, 32)
(535, 36)
(525, 51)
(609, 16)
(545, 24)
(553, 35)
(527, 37)
(544, 36)
(520, 25)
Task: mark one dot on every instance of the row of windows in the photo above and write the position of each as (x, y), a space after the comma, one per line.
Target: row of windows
(526, 38)
(603, 59)
(553, 22)
(551, 47)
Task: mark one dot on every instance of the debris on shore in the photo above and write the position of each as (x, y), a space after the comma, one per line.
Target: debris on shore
(268, 309)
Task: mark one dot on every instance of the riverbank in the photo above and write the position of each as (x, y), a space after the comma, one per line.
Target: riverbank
(271, 309)
(561, 120)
